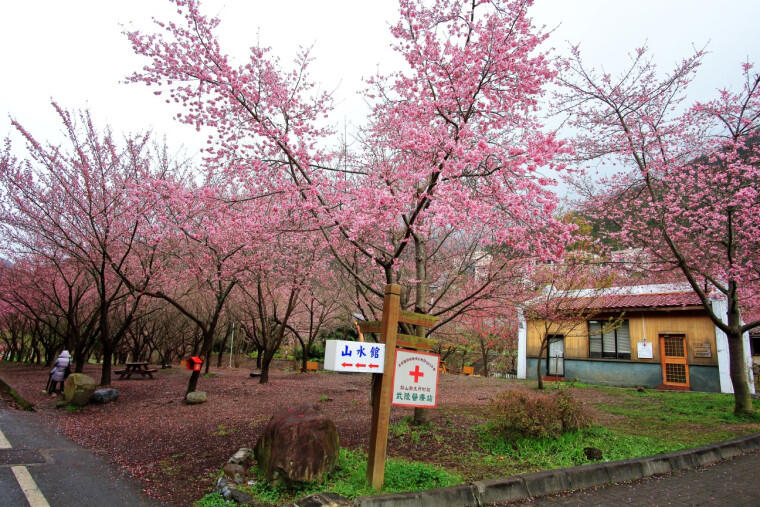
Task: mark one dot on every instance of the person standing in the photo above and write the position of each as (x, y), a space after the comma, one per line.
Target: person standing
(58, 373)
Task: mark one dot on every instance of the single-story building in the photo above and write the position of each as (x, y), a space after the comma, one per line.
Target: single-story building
(646, 335)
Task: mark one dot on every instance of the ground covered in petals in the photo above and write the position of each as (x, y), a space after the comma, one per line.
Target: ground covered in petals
(177, 450)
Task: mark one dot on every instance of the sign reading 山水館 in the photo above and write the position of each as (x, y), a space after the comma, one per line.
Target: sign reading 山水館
(415, 379)
(357, 357)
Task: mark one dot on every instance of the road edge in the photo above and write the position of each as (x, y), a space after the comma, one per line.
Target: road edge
(546, 482)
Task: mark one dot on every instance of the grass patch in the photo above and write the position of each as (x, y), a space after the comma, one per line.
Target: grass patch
(213, 500)
(223, 431)
(688, 418)
(405, 428)
(349, 480)
(566, 450)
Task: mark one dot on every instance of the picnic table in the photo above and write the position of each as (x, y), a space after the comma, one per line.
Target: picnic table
(138, 367)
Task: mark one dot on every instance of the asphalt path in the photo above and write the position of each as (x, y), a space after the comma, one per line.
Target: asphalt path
(734, 482)
(39, 467)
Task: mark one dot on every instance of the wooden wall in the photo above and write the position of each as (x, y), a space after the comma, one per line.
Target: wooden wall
(697, 328)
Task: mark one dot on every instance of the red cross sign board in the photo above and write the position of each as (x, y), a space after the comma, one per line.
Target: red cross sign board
(415, 379)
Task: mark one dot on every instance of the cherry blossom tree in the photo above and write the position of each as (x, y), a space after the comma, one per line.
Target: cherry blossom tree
(452, 141)
(688, 193)
(74, 200)
(567, 294)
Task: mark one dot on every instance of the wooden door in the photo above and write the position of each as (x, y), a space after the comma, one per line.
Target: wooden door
(675, 367)
(556, 356)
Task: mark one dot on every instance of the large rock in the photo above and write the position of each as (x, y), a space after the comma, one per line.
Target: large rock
(298, 445)
(104, 395)
(78, 388)
(195, 397)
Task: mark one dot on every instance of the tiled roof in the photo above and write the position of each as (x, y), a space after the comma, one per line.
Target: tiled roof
(616, 301)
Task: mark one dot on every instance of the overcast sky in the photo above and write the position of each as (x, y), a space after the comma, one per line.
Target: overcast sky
(74, 51)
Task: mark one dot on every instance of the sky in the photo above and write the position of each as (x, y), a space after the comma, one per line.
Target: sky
(75, 53)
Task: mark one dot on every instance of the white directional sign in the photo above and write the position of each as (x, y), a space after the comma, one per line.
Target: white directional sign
(359, 357)
(415, 379)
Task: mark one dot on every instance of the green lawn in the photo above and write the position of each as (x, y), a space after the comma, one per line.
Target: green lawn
(627, 424)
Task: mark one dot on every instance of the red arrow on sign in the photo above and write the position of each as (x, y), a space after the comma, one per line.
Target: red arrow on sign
(374, 366)
(361, 365)
(347, 364)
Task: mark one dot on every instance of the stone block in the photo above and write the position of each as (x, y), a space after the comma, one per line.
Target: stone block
(78, 388)
(104, 395)
(324, 500)
(195, 397)
(455, 495)
(624, 470)
(242, 457)
(298, 445)
(728, 451)
(656, 465)
(501, 490)
(588, 475)
(680, 460)
(707, 455)
(546, 482)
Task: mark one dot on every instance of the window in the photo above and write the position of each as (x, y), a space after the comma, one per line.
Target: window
(609, 340)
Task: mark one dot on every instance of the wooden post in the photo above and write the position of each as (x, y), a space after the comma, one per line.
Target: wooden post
(381, 389)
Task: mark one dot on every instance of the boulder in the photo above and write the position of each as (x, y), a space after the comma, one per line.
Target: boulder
(234, 472)
(298, 445)
(195, 397)
(78, 388)
(242, 457)
(104, 395)
(229, 492)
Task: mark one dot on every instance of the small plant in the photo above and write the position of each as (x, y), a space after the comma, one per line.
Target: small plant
(213, 500)
(520, 414)
(324, 398)
(348, 480)
(223, 431)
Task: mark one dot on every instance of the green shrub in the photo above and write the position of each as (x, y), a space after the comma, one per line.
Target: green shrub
(523, 414)
(316, 352)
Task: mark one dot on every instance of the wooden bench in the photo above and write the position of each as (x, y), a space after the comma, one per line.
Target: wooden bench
(140, 368)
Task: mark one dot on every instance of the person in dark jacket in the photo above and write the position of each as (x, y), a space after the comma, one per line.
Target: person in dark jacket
(58, 373)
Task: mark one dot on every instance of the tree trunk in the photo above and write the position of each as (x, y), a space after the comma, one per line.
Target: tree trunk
(538, 367)
(221, 349)
(421, 415)
(105, 372)
(304, 355)
(265, 362)
(737, 364)
(193, 383)
(484, 354)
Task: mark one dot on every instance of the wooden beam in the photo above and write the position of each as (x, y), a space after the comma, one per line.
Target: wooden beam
(382, 385)
(370, 326)
(417, 319)
(408, 341)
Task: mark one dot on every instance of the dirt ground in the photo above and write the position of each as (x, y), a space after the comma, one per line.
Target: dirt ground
(176, 450)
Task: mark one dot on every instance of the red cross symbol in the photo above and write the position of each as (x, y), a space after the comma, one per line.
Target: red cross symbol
(416, 373)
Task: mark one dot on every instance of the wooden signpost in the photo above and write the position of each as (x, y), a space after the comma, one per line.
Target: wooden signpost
(382, 384)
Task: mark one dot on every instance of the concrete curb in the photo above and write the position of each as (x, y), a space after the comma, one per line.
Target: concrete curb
(548, 482)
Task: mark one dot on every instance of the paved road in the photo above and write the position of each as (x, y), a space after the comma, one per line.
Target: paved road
(39, 467)
(735, 482)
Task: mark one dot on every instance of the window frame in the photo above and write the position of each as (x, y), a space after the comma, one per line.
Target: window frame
(608, 355)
